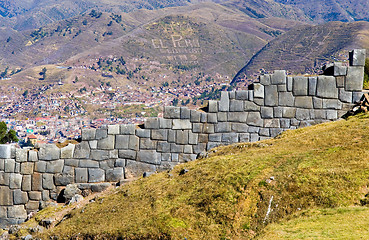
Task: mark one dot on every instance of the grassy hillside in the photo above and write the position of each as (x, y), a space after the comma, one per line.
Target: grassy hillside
(305, 48)
(238, 190)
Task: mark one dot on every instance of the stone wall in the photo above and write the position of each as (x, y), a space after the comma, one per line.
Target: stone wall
(111, 153)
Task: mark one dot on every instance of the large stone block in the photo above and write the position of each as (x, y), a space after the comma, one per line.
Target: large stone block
(81, 175)
(9, 165)
(289, 84)
(20, 197)
(159, 134)
(15, 181)
(107, 143)
(67, 151)
(258, 90)
(127, 129)
(357, 57)
(212, 117)
(172, 133)
(120, 163)
(100, 155)
(27, 167)
(244, 137)
(345, 96)
(237, 116)
(239, 127)
(267, 112)
(114, 175)
(185, 113)
(215, 137)
(164, 123)
(271, 96)
(172, 112)
(88, 134)
(224, 102)
(340, 81)
(356, 96)
(278, 77)
(300, 86)
(193, 138)
(332, 104)
(183, 158)
(265, 79)
(174, 148)
(122, 141)
(101, 133)
(304, 102)
(36, 182)
(222, 116)
(251, 107)
(5, 151)
(17, 211)
(254, 119)
(204, 117)
(195, 116)
(6, 196)
(113, 129)
(88, 164)
(339, 69)
(223, 127)
(143, 133)
(71, 162)
(332, 114)
(147, 143)
(49, 152)
(242, 95)
(289, 112)
(278, 112)
(21, 155)
(354, 79)
(212, 106)
(179, 124)
(136, 169)
(26, 183)
(149, 156)
(82, 150)
(48, 181)
(236, 106)
(55, 166)
(152, 123)
(93, 144)
(163, 147)
(326, 87)
(182, 136)
(96, 175)
(302, 114)
(272, 123)
(312, 85)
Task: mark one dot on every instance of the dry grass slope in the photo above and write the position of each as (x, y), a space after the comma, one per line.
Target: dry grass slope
(227, 195)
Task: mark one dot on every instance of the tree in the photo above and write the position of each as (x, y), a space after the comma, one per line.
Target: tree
(7, 136)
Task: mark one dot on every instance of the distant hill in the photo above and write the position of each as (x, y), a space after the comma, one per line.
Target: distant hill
(306, 48)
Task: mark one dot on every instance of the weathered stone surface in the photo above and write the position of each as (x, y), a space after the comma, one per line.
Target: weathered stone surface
(302, 114)
(181, 124)
(172, 112)
(55, 166)
(99, 187)
(320, 113)
(212, 106)
(36, 196)
(271, 96)
(163, 147)
(215, 137)
(172, 133)
(26, 183)
(122, 141)
(251, 95)
(17, 167)
(339, 69)
(282, 88)
(32, 206)
(289, 84)
(182, 136)
(224, 102)
(354, 79)
(203, 117)
(21, 155)
(236, 106)
(183, 158)
(326, 87)
(185, 113)
(20, 197)
(356, 96)
(96, 175)
(127, 129)
(149, 156)
(49, 152)
(300, 86)
(264, 132)
(175, 148)
(251, 107)
(32, 156)
(160, 134)
(113, 129)
(147, 143)
(27, 167)
(332, 114)
(106, 164)
(127, 154)
(5, 151)
(120, 163)
(93, 144)
(152, 123)
(275, 132)
(195, 116)
(81, 175)
(265, 79)
(136, 169)
(113, 154)
(304, 102)
(254, 119)
(100, 155)
(242, 95)
(223, 127)
(88, 164)
(340, 81)
(312, 85)
(237, 116)
(106, 143)
(267, 112)
(71, 162)
(101, 133)
(142, 133)
(164, 123)
(165, 157)
(88, 134)
(357, 57)
(15, 181)
(67, 151)
(278, 112)
(133, 143)
(114, 175)
(272, 123)
(9, 165)
(82, 150)
(17, 211)
(285, 123)
(6, 196)
(278, 77)
(239, 127)
(48, 181)
(289, 112)
(258, 90)
(222, 117)
(254, 137)
(36, 182)
(212, 117)
(332, 104)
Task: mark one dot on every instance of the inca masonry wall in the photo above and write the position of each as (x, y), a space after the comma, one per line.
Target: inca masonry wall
(109, 154)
